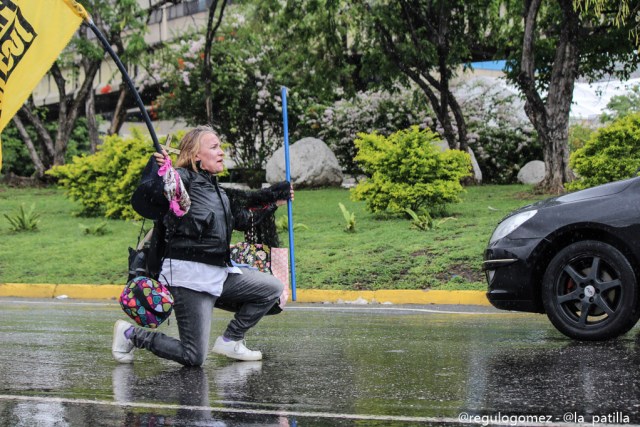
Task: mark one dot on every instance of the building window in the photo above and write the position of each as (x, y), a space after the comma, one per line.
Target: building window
(189, 7)
(156, 16)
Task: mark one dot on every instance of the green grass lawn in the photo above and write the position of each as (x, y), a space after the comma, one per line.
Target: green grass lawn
(381, 254)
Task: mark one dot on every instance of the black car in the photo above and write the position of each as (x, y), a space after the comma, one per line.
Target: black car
(575, 257)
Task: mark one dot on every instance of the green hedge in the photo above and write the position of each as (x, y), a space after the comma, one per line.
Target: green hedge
(104, 182)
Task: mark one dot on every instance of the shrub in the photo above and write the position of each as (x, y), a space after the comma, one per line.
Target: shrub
(282, 225)
(24, 220)
(104, 182)
(95, 230)
(609, 155)
(408, 170)
(349, 218)
(421, 222)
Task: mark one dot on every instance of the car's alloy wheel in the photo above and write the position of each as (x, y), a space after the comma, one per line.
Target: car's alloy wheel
(590, 291)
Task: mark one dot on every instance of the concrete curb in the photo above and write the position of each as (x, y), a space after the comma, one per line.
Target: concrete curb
(44, 290)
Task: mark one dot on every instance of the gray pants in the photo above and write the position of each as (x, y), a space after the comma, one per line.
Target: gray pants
(253, 292)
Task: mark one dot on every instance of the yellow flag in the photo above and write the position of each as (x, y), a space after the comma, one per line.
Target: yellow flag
(32, 35)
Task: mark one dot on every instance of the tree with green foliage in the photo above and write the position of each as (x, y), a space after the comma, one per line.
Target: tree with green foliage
(408, 170)
(16, 157)
(426, 41)
(244, 94)
(620, 106)
(559, 43)
(625, 9)
(315, 45)
(610, 155)
(123, 24)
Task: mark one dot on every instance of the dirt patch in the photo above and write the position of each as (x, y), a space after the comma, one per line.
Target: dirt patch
(465, 271)
(421, 252)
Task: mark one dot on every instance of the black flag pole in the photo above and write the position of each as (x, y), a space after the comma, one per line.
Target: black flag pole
(128, 80)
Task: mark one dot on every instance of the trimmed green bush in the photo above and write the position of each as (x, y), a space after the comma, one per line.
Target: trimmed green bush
(610, 154)
(104, 182)
(408, 170)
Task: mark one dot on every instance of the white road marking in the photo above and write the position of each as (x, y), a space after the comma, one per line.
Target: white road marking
(165, 406)
(332, 307)
(390, 308)
(224, 410)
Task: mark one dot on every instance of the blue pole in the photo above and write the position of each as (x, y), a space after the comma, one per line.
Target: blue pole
(292, 260)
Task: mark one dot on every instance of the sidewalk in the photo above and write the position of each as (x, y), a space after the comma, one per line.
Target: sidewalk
(43, 290)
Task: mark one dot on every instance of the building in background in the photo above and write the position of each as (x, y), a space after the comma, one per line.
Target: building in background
(165, 24)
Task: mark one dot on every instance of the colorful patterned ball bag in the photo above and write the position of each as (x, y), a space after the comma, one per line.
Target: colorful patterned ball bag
(147, 301)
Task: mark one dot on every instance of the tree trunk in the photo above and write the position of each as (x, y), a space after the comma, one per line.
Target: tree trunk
(550, 117)
(206, 64)
(442, 106)
(556, 160)
(41, 130)
(70, 106)
(92, 123)
(120, 112)
(33, 153)
(461, 123)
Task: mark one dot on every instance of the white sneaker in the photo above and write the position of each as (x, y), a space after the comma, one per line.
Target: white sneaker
(122, 347)
(235, 350)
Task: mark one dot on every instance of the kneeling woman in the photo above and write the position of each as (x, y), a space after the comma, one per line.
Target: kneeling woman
(197, 263)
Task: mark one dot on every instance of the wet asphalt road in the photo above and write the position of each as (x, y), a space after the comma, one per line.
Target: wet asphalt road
(324, 365)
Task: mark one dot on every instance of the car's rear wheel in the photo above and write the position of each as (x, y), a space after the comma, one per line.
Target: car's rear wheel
(590, 291)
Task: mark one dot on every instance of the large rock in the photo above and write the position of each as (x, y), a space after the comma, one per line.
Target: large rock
(313, 164)
(532, 172)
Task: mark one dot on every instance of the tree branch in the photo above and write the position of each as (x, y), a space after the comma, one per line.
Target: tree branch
(526, 78)
(33, 153)
(41, 130)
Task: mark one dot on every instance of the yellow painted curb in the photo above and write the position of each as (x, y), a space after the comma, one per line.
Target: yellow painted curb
(394, 296)
(89, 291)
(48, 290)
(23, 290)
(34, 290)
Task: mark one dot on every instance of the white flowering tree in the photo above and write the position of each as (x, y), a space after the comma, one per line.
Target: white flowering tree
(382, 111)
(500, 134)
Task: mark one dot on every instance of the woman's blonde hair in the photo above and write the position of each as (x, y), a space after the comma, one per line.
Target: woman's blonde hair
(190, 146)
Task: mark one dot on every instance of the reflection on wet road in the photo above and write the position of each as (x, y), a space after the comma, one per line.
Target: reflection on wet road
(324, 365)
